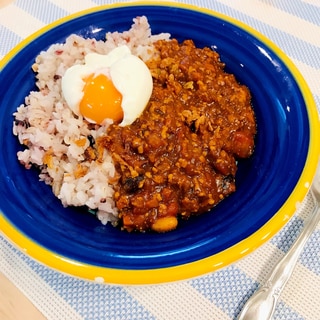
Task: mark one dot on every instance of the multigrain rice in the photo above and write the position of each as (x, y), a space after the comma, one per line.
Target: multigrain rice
(56, 140)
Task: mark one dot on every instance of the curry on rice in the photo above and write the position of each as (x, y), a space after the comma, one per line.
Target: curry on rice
(179, 157)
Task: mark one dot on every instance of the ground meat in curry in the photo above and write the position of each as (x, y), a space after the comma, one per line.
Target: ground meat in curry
(179, 157)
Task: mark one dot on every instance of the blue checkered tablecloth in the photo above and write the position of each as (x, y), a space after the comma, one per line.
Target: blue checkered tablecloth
(293, 25)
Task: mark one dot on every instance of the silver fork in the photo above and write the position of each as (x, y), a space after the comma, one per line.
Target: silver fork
(262, 303)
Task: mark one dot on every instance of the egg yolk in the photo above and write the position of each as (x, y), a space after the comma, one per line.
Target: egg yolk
(101, 100)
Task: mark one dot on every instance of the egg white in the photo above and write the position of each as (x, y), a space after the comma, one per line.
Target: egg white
(129, 75)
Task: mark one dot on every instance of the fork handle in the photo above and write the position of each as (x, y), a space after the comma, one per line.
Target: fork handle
(263, 302)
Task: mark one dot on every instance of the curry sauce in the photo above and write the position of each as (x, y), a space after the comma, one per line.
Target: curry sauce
(179, 157)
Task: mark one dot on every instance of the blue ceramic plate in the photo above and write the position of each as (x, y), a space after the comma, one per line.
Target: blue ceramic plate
(269, 185)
